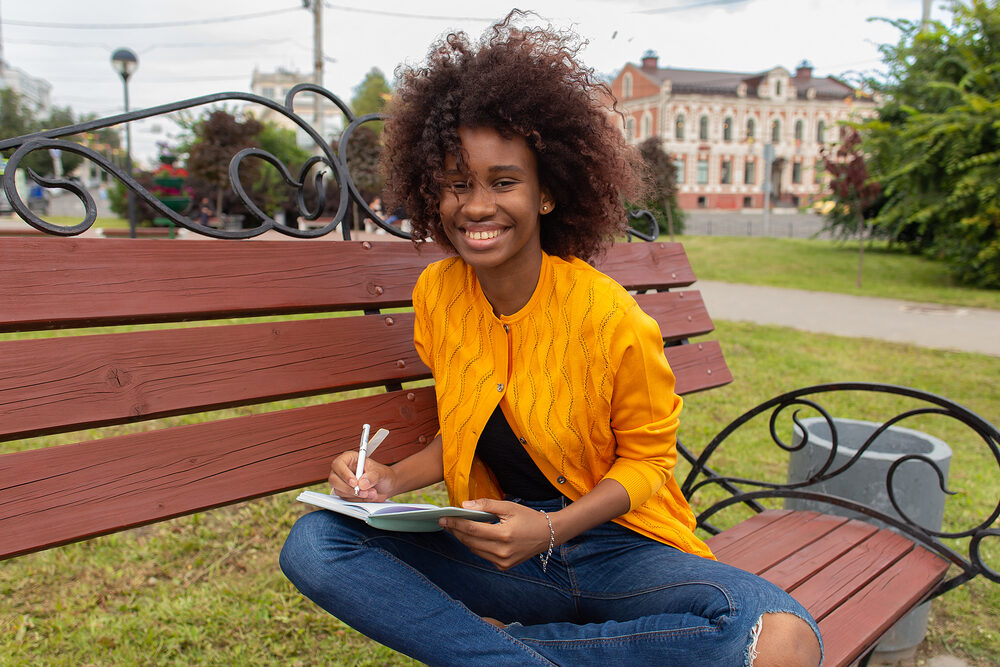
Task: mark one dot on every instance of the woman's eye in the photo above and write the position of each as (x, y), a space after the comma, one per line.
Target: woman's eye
(459, 186)
(505, 183)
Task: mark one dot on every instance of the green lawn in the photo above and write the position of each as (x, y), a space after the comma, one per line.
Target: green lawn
(206, 589)
(829, 266)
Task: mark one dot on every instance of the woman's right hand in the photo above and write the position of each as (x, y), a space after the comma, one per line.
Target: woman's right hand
(376, 483)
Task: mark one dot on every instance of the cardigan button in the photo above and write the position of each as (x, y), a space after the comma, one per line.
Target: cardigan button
(500, 387)
(523, 441)
(561, 479)
(506, 328)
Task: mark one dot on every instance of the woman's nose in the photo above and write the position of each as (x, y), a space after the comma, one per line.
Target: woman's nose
(479, 202)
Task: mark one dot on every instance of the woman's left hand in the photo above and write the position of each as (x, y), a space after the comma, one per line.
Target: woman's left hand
(521, 533)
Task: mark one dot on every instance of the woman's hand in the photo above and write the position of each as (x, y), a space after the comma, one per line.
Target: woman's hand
(521, 533)
(376, 483)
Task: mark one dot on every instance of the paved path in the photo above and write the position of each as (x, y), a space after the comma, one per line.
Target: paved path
(926, 325)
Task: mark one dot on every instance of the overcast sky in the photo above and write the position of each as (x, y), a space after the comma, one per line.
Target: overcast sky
(188, 48)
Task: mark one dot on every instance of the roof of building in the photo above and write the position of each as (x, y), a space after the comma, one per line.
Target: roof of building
(728, 83)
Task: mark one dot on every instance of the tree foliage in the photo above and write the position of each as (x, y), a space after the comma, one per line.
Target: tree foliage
(856, 196)
(935, 144)
(371, 95)
(16, 119)
(663, 186)
(217, 138)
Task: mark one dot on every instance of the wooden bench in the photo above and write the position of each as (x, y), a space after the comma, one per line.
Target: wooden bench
(331, 319)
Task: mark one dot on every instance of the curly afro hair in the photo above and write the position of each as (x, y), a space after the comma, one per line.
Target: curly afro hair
(521, 82)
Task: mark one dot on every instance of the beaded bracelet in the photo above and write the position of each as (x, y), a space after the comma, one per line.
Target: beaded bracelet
(552, 543)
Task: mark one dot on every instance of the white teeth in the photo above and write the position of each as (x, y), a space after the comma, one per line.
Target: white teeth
(480, 236)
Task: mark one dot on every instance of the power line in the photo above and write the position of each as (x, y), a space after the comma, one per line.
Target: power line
(138, 26)
(403, 15)
(681, 8)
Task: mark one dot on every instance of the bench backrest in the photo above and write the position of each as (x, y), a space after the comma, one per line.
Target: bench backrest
(357, 335)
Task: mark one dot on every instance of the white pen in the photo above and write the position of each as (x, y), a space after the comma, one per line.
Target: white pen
(362, 453)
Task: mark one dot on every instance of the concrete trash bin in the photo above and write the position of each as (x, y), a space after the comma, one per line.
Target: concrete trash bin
(915, 486)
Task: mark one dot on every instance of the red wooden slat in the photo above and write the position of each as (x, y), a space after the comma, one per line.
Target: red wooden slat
(698, 366)
(779, 541)
(838, 581)
(854, 627)
(62, 282)
(67, 383)
(641, 266)
(745, 528)
(62, 494)
(679, 314)
(791, 572)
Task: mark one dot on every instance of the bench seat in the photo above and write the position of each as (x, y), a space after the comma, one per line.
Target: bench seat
(855, 579)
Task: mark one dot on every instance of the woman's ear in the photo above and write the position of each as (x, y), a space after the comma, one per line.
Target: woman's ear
(547, 204)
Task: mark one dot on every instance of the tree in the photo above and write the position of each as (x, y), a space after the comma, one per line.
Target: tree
(371, 95)
(663, 181)
(856, 196)
(217, 138)
(17, 119)
(935, 144)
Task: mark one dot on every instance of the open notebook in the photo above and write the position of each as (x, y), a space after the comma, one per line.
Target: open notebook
(403, 517)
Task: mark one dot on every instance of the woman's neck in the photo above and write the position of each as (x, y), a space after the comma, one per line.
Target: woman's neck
(510, 292)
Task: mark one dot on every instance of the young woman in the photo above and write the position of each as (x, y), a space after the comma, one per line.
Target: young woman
(556, 406)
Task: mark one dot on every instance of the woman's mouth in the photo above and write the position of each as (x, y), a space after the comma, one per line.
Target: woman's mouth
(482, 235)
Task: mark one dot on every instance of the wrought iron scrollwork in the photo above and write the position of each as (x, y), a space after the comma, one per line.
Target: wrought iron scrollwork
(747, 492)
(334, 161)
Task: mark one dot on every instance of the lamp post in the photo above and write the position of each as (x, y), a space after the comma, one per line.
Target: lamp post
(125, 63)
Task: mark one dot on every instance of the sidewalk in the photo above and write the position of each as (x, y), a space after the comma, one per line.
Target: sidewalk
(926, 325)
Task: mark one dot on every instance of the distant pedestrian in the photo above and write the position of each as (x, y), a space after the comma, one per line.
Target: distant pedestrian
(205, 211)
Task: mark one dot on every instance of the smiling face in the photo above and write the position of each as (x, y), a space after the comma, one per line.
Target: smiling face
(491, 213)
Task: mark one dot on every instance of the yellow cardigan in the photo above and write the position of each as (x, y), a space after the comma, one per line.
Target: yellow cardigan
(588, 390)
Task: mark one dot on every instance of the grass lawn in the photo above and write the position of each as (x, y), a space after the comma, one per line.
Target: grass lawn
(206, 589)
(829, 266)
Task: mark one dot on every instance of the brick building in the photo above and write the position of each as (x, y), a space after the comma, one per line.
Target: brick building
(716, 125)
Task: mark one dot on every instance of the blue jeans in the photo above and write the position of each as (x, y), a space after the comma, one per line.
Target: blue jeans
(610, 597)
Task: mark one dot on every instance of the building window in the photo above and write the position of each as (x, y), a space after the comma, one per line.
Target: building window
(268, 92)
(647, 125)
(629, 128)
(799, 129)
(749, 178)
(776, 131)
(748, 202)
(777, 88)
(702, 172)
(702, 202)
(796, 172)
(679, 166)
(679, 127)
(821, 132)
(703, 128)
(627, 86)
(727, 171)
(727, 129)
(751, 128)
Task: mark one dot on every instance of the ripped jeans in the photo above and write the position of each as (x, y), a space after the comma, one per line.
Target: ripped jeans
(609, 597)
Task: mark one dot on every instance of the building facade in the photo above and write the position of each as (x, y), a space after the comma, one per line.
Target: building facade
(723, 129)
(275, 85)
(35, 93)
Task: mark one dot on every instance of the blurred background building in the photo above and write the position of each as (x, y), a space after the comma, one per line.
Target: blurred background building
(717, 127)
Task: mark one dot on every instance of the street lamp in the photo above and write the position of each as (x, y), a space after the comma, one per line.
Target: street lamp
(125, 63)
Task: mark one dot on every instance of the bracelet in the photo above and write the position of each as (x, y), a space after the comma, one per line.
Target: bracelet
(552, 543)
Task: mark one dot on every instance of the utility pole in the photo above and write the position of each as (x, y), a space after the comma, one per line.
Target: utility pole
(317, 7)
(925, 18)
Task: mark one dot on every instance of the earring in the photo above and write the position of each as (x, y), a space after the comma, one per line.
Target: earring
(545, 208)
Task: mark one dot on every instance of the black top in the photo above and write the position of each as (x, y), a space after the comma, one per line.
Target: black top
(516, 473)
